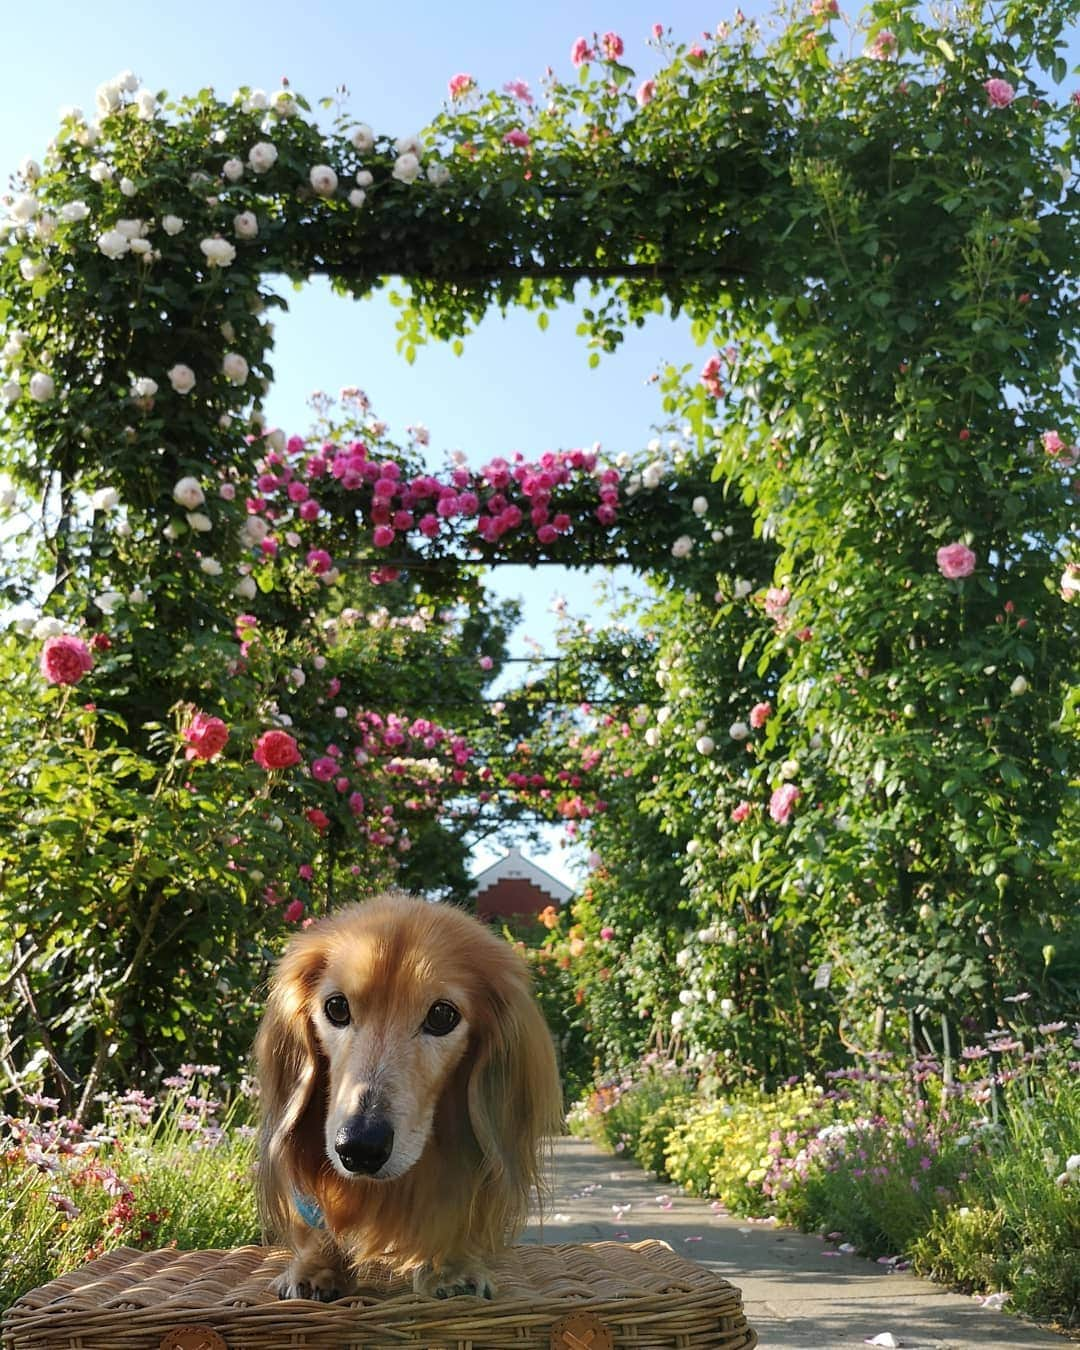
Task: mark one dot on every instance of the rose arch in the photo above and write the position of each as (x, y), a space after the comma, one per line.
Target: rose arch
(864, 532)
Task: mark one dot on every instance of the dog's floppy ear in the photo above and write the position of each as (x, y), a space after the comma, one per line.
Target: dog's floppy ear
(515, 1099)
(288, 1068)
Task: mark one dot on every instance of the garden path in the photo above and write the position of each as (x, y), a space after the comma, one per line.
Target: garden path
(796, 1295)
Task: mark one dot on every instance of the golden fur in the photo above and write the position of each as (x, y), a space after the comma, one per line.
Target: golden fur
(470, 1110)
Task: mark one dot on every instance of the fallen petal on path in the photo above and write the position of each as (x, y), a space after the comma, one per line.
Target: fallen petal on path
(885, 1338)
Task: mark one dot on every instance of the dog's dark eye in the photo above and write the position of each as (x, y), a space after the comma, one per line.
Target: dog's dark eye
(336, 1009)
(441, 1018)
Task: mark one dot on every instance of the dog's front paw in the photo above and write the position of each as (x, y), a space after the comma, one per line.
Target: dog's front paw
(450, 1281)
(323, 1283)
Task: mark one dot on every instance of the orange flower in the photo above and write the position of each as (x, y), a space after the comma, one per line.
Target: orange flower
(549, 917)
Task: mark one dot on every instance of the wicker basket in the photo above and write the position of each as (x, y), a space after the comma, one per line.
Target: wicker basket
(601, 1296)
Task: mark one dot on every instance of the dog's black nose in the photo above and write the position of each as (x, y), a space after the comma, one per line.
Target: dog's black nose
(364, 1144)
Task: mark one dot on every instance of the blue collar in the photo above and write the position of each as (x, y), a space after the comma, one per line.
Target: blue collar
(308, 1209)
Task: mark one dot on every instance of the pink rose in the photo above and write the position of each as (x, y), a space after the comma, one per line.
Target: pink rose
(606, 934)
(65, 660)
(955, 560)
(760, 714)
(519, 89)
(781, 802)
(318, 818)
(324, 769)
(383, 536)
(486, 663)
(205, 737)
(883, 46)
(460, 85)
(740, 812)
(581, 52)
(306, 872)
(276, 750)
(319, 561)
(293, 911)
(999, 92)
(517, 139)
(612, 44)
(646, 91)
(356, 804)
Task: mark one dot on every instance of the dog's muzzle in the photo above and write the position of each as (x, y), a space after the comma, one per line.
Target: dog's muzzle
(364, 1144)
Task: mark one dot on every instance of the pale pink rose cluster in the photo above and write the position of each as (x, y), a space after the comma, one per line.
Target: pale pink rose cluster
(955, 561)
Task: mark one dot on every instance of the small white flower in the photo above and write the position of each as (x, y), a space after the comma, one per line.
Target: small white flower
(210, 566)
(182, 378)
(738, 731)
(233, 169)
(7, 493)
(74, 211)
(262, 156)
(1019, 686)
(693, 848)
(199, 522)
(323, 180)
(188, 493)
(42, 387)
(30, 270)
(406, 168)
(105, 499)
(245, 588)
(699, 506)
(143, 391)
(113, 244)
(363, 138)
(727, 1006)
(438, 174)
(705, 745)
(256, 101)
(246, 225)
(283, 103)
(146, 103)
(10, 392)
(409, 145)
(742, 588)
(127, 187)
(30, 170)
(678, 1017)
(46, 627)
(357, 197)
(218, 252)
(142, 248)
(789, 769)
(682, 546)
(364, 178)
(107, 601)
(24, 208)
(171, 224)
(341, 713)
(234, 367)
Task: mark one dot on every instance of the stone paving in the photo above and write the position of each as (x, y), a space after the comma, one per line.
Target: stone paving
(798, 1292)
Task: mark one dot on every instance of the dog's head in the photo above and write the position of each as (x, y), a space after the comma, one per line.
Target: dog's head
(396, 1028)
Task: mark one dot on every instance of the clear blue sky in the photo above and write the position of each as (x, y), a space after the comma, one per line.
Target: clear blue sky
(515, 387)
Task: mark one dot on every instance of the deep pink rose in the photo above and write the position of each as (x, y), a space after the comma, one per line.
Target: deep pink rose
(999, 92)
(581, 52)
(293, 911)
(324, 769)
(612, 44)
(781, 802)
(760, 714)
(276, 750)
(319, 561)
(740, 812)
(65, 660)
(205, 737)
(955, 560)
(383, 536)
(318, 818)
(517, 139)
(606, 934)
(460, 85)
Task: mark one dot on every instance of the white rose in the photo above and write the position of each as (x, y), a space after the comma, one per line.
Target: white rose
(199, 522)
(652, 738)
(1019, 686)
(30, 170)
(182, 378)
(7, 493)
(678, 1017)
(357, 197)
(137, 596)
(364, 178)
(233, 169)
(108, 600)
(234, 367)
(210, 566)
(246, 225)
(409, 145)
(789, 768)
(146, 104)
(705, 745)
(406, 168)
(257, 101)
(47, 627)
(105, 499)
(25, 207)
(283, 103)
(727, 1006)
(107, 98)
(297, 678)
(127, 187)
(438, 174)
(142, 248)
(42, 387)
(130, 229)
(171, 224)
(10, 392)
(88, 135)
(262, 156)
(699, 506)
(363, 138)
(682, 546)
(188, 494)
(245, 588)
(738, 731)
(143, 389)
(276, 440)
(218, 252)
(254, 530)
(341, 713)
(742, 588)
(127, 81)
(30, 270)
(113, 244)
(323, 179)
(74, 211)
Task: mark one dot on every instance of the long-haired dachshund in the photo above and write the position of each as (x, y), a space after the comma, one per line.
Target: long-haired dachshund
(407, 1083)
